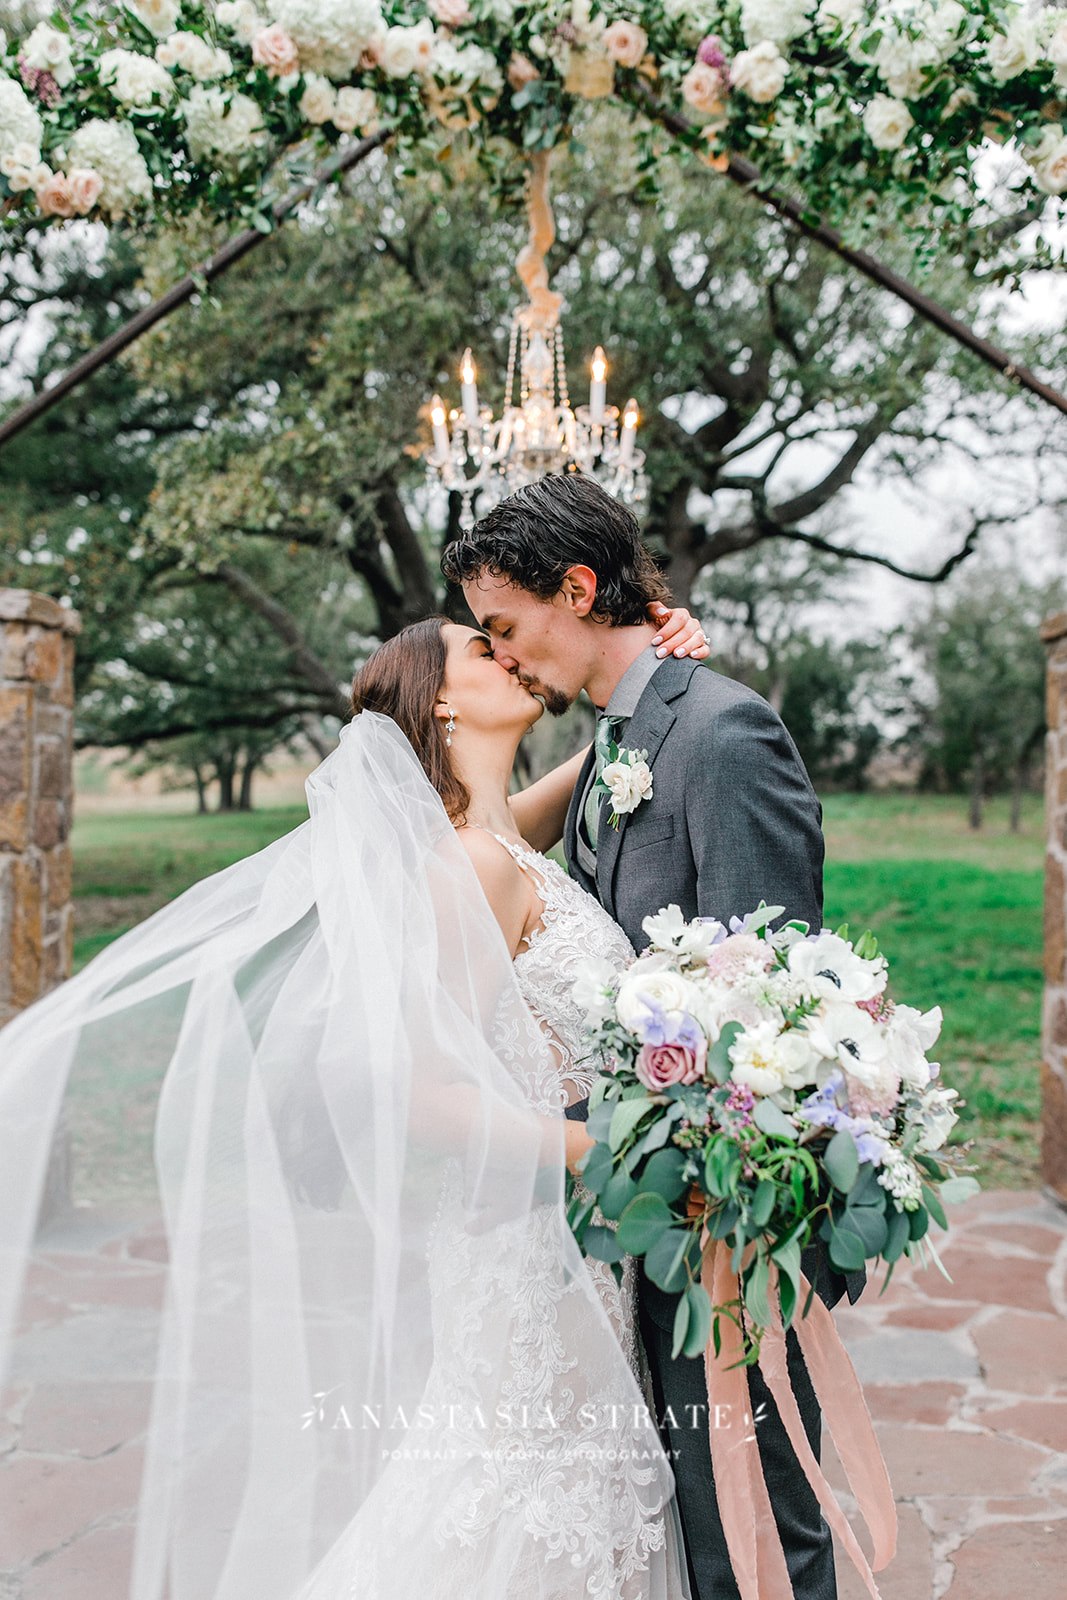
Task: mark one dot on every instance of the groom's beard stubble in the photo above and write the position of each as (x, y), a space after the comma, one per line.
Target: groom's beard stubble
(555, 701)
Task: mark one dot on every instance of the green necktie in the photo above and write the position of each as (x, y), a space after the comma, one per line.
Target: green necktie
(607, 730)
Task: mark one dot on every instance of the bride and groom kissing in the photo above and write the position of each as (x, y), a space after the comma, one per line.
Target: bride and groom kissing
(559, 582)
(373, 1078)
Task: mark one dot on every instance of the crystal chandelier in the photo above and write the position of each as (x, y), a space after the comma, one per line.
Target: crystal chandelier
(538, 431)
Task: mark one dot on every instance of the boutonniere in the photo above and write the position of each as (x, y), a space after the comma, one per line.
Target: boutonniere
(627, 778)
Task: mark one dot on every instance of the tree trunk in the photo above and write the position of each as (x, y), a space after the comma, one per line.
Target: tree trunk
(977, 792)
(201, 791)
(244, 802)
(225, 771)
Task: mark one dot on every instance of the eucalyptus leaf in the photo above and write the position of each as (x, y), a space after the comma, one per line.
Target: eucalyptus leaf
(772, 1119)
(642, 1222)
(681, 1326)
(841, 1160)
(718, 1064)
(699, 1327)
(953, 1190)
(601, 1244)
(664, 1174)
(627, 1115)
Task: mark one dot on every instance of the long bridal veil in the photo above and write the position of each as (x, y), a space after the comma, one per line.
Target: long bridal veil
(382, 1367)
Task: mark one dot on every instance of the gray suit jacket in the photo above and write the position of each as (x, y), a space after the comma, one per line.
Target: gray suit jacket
(733, 820)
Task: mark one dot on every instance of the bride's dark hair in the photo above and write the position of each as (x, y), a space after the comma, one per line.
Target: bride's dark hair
(404, 679)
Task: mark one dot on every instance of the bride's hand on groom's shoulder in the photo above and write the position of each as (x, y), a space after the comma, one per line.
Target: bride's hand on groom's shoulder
(679, 634)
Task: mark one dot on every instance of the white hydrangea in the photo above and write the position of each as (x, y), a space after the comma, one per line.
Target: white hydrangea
(20, 123)
(331, 35)
(135, 80)
(49, 51)
(199, 58)
(220, 124)
(242, 19)
(406, 51)
(111, 149)
(780, 21)
(158, 15)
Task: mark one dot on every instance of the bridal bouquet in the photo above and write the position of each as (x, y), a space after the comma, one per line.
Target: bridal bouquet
(770, 1073)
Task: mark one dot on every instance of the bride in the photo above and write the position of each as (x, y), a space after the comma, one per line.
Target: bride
(383, 1366)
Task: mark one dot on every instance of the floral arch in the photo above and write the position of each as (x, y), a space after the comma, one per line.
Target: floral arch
(865, 112)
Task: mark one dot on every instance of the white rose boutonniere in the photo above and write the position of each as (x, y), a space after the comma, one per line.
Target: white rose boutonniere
(627, 778)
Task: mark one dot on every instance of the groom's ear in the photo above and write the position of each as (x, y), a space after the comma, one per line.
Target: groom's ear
(578, 590)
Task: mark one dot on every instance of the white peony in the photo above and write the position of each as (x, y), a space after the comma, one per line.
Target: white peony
(221, 125)
(331, 35)
(157, 15)
(135, 80)
(319, 99)
(641, 988)
(241, 17)
(628, 782)
(49, 51)
(833, 971)
(20, 123)
(780, 21)
(111, 150)
(766, 1061)
(1015, 51)
(887, 122)
(760, 72)
(466, 67)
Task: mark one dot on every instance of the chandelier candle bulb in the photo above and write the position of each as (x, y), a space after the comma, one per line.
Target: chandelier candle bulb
(629, 431)
(469, 391)
(598, 387)
(440, 431)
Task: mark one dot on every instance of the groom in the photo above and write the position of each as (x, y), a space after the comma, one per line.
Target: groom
(557, 576)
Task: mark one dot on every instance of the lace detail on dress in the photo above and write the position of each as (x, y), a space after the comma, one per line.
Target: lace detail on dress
(573, 927)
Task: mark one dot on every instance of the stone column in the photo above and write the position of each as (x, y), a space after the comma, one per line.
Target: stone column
(36, 743)
(1054, 1017)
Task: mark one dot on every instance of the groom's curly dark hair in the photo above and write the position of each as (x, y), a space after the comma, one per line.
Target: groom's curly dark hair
(564, 520)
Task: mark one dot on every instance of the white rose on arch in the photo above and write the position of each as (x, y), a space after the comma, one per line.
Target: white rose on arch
(887, 122)
(760, 72)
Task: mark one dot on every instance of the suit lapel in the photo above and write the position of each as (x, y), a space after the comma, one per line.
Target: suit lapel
(648, 727)
(570, 827)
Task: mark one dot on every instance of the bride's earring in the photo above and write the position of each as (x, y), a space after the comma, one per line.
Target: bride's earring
(450, 726)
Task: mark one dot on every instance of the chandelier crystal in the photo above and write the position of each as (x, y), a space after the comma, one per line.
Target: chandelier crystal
(538, 431)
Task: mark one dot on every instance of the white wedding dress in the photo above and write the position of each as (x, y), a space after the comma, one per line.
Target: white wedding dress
(558, 1510)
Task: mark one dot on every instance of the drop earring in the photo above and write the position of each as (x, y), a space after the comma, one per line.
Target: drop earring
(450, 726)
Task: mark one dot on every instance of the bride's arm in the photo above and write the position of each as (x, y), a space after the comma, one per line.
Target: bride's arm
(541, 810)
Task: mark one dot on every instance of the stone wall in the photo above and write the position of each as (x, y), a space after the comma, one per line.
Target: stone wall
(36, 791)
(1054, 1019)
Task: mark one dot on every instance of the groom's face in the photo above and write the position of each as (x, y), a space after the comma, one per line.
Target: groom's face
(542, 641)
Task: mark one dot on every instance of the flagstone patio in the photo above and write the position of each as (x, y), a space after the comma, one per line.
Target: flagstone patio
(966, 1381)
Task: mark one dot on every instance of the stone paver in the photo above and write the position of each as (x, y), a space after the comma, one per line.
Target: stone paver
(966, 1383)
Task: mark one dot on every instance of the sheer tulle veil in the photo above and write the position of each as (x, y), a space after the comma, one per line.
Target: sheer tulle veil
(359, 1158)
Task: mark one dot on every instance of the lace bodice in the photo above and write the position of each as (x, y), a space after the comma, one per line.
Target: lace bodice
(573, 927)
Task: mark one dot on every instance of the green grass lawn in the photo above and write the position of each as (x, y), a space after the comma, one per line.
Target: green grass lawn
(958, 915)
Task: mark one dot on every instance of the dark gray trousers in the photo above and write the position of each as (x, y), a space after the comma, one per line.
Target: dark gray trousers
(681, 1404)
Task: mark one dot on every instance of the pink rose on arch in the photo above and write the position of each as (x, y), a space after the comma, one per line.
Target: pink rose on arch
(86, 185)
(276, 50)
(626, 43)
(55, 198)
(660, 1065)
(453, 13)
